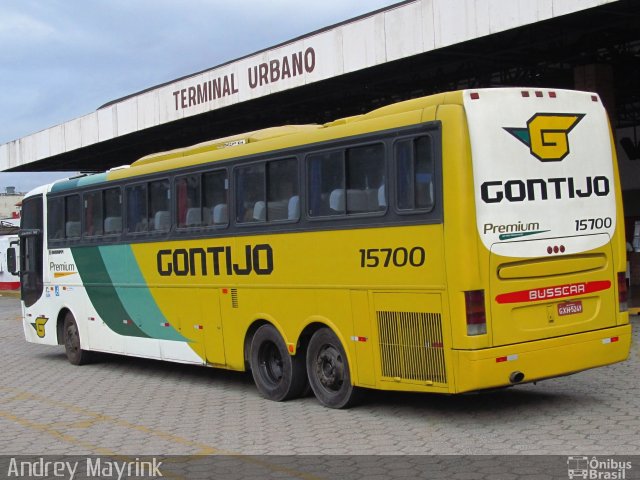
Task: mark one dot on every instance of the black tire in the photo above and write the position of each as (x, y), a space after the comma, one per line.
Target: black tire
(277, 375)
(72, 345)
(328, 371)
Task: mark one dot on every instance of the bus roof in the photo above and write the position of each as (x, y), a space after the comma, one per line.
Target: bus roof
(275, 138)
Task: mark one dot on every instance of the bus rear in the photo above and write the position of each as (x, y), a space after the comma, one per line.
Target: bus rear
(551, 238)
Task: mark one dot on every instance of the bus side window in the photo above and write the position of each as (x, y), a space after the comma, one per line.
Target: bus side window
(348, 181)
(365, 176)
(136, 208)
(188, 201)
(215, 188)
(326, 184)
(414, 173)
(93, 221)
(112, 211)
(159, 211)
(250, 194)
(55, 218)
(72, 216)
(282, 186)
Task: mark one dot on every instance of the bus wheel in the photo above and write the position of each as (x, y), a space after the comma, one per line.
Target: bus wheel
(72, 346)
(328, 371)
(278, 375)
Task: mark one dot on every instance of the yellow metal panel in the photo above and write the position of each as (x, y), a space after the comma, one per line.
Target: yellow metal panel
(466, 260)
(476, 370)
(412, 340)
(362, 339)
(550, 267)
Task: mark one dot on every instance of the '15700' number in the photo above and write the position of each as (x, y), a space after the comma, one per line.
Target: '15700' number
(593, 224)
(398, 257)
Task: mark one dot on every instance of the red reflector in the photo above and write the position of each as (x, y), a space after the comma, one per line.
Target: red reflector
(552, 94)
(525, 94)
(475, 95)
(539, 94)
(614, 339)
(501, 359)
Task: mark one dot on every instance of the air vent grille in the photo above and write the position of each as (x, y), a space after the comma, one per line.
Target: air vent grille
(411, 346)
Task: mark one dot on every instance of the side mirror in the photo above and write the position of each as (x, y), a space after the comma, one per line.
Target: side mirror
(12, 263)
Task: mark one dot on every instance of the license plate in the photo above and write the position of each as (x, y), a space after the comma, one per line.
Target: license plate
(570, 308)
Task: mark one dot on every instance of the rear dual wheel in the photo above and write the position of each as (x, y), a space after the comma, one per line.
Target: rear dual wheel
(280, 376)
(277, 375)
(328, 371)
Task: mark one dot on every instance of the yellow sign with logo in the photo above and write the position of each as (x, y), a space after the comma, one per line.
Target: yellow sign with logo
(38, 325)
(547, 135)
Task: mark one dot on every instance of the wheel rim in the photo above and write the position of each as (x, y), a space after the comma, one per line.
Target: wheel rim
(330, 368)
(271, 363)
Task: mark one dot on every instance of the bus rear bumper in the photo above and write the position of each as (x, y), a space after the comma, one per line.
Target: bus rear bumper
(537, 360)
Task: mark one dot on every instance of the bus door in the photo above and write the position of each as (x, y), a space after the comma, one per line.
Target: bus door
(31, 251)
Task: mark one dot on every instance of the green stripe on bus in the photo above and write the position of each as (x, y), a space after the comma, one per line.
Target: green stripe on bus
(134, 294)
(102, 293)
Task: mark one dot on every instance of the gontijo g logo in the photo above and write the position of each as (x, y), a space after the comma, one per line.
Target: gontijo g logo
(547, 134)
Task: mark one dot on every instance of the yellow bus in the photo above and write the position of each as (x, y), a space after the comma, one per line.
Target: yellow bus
(462, 241)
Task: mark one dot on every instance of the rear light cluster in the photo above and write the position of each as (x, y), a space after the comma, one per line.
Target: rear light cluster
(623, 293)
(476, 314)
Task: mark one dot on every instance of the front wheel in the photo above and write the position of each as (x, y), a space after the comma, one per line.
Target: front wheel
(328, 371)
(72, 345)
(277, 375)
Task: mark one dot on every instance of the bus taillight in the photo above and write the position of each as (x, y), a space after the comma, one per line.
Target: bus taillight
(623, 293)
(476, 316)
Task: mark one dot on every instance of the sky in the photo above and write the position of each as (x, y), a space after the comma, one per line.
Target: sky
(62, 59)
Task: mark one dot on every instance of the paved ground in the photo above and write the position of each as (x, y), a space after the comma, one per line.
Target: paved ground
(138, 407)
